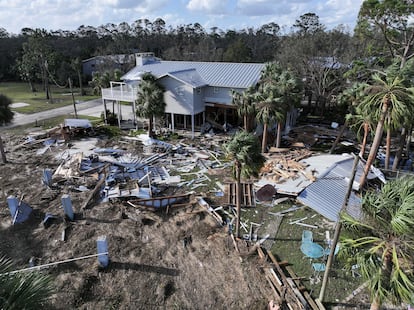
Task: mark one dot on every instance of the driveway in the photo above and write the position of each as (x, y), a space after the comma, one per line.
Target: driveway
(88, 108)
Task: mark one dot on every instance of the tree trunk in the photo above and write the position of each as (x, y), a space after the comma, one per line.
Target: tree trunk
(73, 97)
(246, 125)
(150, 134)
(3, 154)
(32, 89)
(279, 134)
(364, 141)
(375, 144)
(264, 139)
(80, 83)
(399, 152)
(388, 149)
(238, 196)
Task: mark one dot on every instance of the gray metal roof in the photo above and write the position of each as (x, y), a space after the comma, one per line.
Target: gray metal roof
(189, 76)
(327, 194)
(217, 74)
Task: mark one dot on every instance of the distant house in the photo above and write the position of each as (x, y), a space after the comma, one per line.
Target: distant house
(196, 92)
(100, 63)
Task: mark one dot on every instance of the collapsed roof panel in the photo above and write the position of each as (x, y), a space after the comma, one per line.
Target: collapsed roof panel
(327, 194)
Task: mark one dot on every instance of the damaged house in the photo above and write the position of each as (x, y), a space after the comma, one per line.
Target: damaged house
(196, 93)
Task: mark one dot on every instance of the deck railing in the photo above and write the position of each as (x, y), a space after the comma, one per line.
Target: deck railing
(119, 94)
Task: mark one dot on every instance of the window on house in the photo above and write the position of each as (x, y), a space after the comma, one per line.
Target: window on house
(216, 90)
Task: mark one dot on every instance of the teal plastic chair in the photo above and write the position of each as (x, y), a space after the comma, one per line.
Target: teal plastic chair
(307, 236)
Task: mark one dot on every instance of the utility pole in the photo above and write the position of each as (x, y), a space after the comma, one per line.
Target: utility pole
(73, 97)
(338, 230)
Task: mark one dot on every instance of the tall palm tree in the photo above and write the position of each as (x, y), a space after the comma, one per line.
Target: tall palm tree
(359, 121)
(244, 103)
(350, 97)
(268, 112)
(6, 116)
(382, 242)
(23, 290)
(268, 104)
(244, 150)
(150, 102)
(385, 95)
(289, 92)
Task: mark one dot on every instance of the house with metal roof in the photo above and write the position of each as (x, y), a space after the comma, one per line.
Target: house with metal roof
(194, 91)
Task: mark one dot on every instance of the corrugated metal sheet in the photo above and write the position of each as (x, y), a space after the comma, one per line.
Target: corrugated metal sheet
(216, 74)
(327, 194)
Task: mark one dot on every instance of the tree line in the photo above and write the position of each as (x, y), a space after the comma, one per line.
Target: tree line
(369, 74)
(321, 56)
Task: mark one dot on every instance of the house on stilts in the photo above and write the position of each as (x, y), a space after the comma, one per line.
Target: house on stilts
(196, 93)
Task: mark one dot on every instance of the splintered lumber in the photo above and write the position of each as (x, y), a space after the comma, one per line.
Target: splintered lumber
(70, 167)
(209, 209)
(93, 193)
(312, 303)
(271, 284)
(235, 243)
(287, 281)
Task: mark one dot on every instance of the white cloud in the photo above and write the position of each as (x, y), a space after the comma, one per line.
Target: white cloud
(208, 6)
(225, 14)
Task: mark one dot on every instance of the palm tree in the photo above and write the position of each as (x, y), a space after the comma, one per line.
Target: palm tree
(6, 116)
(268, 112)
(289, 94)
(388, 95)
(244, 150)
(268, 103)
(381, 243)
(361, 120)
(244, 103)
(150, 102)
(350, 97)
(23, 290)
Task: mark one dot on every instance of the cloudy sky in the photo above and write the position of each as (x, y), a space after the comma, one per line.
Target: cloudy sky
(224, 14)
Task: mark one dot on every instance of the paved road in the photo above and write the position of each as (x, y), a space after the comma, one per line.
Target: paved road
(90, 108)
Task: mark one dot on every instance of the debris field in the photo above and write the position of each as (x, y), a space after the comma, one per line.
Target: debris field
(165, 211)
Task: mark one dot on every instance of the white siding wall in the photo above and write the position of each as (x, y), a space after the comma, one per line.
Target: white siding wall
(178, 96)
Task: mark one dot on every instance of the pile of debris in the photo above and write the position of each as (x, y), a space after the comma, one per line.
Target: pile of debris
(283, 164)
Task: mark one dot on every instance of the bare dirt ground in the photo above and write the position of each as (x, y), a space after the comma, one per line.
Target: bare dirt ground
(149, 266)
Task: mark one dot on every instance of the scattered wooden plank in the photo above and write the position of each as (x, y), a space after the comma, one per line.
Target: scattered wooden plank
(298, 220)
(310, 300)
(235, 243)
(307, 225)
(93, 192)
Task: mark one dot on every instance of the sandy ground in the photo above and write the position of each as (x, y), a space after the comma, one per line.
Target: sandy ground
(150, 268)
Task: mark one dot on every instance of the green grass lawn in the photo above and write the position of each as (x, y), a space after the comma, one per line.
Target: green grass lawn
(287, 248)
(20, 92)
